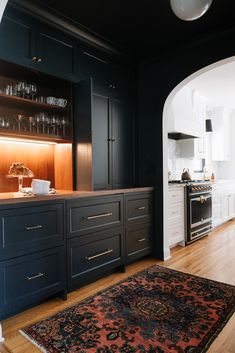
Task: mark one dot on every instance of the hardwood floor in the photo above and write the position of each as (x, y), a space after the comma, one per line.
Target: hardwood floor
(211, 257)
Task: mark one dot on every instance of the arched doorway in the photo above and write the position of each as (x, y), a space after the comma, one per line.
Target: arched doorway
(166, 112)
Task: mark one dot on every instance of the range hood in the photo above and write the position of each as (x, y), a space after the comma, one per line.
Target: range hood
(180, 136)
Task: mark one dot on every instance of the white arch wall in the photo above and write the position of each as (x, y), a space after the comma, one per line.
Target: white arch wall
(166, 117)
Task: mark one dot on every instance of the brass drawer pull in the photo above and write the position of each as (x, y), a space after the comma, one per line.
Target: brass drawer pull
(98, 216)
(141, 208)
(40, 274)
(141, 240)
(89, 258)
(38, 226)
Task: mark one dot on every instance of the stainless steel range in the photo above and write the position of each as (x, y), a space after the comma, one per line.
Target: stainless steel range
(198, 209)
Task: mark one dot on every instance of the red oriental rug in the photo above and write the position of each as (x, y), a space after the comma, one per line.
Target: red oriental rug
(155, 311)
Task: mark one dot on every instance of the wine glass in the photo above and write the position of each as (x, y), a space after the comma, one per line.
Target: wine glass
(19, 119)
(64, 124)
(33, 90)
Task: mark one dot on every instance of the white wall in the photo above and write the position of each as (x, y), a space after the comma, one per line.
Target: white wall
(187, 111)
(176, 164)
(226, 170)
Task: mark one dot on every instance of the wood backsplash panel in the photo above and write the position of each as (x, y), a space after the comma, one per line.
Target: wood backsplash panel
(63, 167)
(37, 157)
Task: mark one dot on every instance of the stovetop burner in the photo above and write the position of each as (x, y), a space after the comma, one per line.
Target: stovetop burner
(188, 181)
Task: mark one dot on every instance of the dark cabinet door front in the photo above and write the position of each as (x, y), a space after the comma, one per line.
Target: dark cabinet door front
(122, 144)
(55, 53)
(30, 278)
(101, 142)
(97, 67)
(17, 39)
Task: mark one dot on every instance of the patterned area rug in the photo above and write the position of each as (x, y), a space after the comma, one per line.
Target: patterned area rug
(155, 311)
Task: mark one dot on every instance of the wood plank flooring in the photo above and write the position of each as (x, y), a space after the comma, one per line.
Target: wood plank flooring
(211, 257)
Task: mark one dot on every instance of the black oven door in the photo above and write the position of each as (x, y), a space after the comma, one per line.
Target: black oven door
(200, 209)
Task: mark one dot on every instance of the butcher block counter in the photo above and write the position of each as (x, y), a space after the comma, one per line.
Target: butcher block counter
(11, 197)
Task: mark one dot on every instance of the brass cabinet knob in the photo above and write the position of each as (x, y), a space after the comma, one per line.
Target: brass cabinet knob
(34, 58)
(39, 60)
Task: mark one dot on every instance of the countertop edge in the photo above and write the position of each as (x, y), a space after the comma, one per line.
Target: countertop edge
(64, 195)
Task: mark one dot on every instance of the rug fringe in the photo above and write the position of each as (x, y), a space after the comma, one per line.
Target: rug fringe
(33, 341)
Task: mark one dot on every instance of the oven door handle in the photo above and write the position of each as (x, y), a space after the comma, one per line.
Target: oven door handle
(201, 198)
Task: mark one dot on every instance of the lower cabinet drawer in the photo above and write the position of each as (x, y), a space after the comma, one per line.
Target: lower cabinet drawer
(94, 214)
(176, 213)
(26, 228)
(27, 279)
(138, 242)
(176, 233)
(138, 208)
(91, 254)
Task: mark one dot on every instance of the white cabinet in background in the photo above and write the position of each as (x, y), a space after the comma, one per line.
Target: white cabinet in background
(186, 111)
(176, 215)
(228, 206)
(223, 202)
(192, 148)
(221, 138)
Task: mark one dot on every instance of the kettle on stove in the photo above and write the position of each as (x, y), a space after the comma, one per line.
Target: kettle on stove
(185, 175)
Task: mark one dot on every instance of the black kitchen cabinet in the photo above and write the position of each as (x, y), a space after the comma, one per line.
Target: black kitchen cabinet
(138, 221)
(55, 52)
(28, 42)
(95, 233)
(17, 41)
(113, 78)
(93, 64)
(122, 143)
(93, 255)
(92, 214)
(101, 141)
(32, 254)
(27, 279)
(138, 242)
(103, 135)
(26, 228)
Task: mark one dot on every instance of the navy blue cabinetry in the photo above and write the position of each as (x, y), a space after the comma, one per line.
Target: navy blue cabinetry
(27, 279)
(138, 220)
(17, 38)
(93, 255)
(28, 42)
(96, 65)
(103, 134)
(109, 76)
(94, 214)
(95, 237)
(32, 254)
(56, 52)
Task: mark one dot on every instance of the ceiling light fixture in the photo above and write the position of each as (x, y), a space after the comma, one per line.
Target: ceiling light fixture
(2, 7)
(189, 10)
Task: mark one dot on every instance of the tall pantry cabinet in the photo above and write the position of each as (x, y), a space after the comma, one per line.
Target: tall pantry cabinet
(103, 125)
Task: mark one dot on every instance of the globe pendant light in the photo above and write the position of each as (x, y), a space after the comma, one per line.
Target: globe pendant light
(189, 10)
(2, 7)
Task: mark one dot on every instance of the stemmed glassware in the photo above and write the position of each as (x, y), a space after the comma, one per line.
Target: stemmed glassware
(64, 124)
(4, 123)
(33, 90)
(26, 90)
(19, 119)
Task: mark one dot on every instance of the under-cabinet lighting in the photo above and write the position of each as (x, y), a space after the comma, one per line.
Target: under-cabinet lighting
(19, 140)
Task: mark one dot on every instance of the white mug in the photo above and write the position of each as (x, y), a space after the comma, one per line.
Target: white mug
(40, 187)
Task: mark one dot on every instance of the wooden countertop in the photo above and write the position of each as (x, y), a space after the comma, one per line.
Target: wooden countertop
(14, 198)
